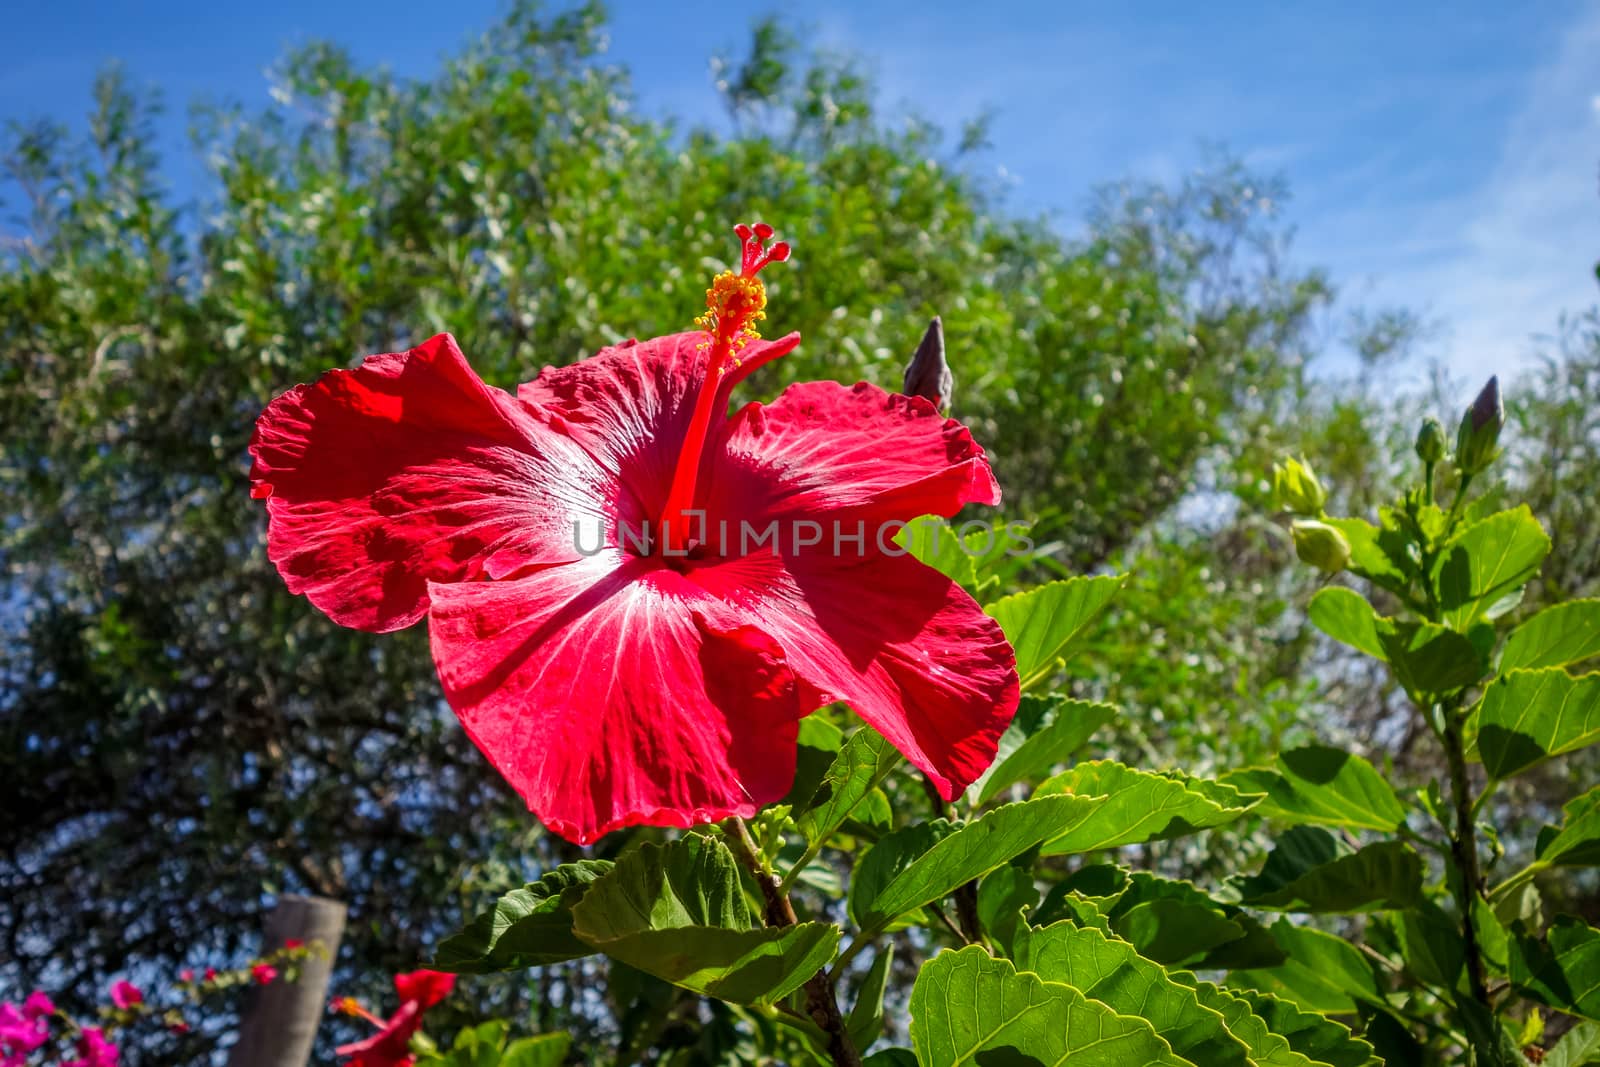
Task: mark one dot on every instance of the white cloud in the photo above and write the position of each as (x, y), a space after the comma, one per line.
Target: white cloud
(1498, 265)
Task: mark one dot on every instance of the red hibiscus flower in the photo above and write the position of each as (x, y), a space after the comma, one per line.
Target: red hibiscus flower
(391, 1045)
(632, 596)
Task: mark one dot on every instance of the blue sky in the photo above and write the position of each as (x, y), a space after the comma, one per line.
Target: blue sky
(1441, 157)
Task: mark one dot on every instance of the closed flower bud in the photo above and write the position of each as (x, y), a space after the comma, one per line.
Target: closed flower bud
(928, 375)
(1480, 430)
(1296, 489)
(1430, 441)
(1320, 545)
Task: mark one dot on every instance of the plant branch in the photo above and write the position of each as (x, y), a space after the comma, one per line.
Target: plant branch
(1464, 846)
(821, 1003)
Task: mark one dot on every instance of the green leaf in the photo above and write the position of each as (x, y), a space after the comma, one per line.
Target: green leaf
(1493, 939)
(819, 744)
(1004, 897)
(1324, 785)
(1323, 973)
(1267, 1049)
(479, 1044)
(528, 927)
(888, 858)
(1141, 805)
(1526, 717)
(864, 761)
(1377, 555)
(1043, 623)
(866, 1015)
(1175, 932)
(1486, 561)
(1311, 870)
(970, 852)
(1559, 635)
(1345, 615)
(1426, 658)
(1578, 1047)
(1434, 951)
(1170, 921)
(1563, 971)
(1431, 659)
(1487, 1033)
(933, 541)
(969, 1008)
(1310, 1034)
(678, 911)
(1045, 732)
(891, 1057)
(1111, 972)
(1255, 949)
(1392, 1040)
(1576, 842)
(544, 1050)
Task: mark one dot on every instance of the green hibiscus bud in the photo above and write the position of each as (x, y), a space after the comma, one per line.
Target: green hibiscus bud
(1296, 489)
(1430, 441)
(1320, 545)
(1480, 430)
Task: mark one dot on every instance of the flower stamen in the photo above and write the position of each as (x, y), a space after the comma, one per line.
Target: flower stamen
(735, 303)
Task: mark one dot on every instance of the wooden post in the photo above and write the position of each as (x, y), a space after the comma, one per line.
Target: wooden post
(281, 1019)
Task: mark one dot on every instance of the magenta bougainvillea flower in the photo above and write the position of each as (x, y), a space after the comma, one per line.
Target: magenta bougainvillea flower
(93, 1050)
(633, 596)
(125, 994)
(22, 1030)
(391, 1045)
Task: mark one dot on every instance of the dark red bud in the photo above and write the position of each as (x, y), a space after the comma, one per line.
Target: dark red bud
(928, 374)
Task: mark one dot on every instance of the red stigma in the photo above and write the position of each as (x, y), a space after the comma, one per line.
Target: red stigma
(756, 253)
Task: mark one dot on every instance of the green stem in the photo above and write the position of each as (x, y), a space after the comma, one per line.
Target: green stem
(1517, 881)
(1426, 842)
(852, 950)
(799, 867)
(1484, 797)
(1456, 506)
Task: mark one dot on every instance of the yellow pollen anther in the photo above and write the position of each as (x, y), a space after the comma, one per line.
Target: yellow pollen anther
(734, 304)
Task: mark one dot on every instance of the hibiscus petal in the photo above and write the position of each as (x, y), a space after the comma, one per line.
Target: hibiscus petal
(427, 988)
(823, 447)
(901, 643)
(611, 692)
(410, 469)
(629, 404)
(391, 1045)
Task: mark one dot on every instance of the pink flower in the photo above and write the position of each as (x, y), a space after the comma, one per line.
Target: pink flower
(211, 974)
(94, 1050)
(263, 972)
(37, 1006)
(616, 678)
(293, 943)
(186, 975)
(125, 994)
(20, 1033)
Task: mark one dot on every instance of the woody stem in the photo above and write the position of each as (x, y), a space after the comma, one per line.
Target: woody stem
(821, 1004)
